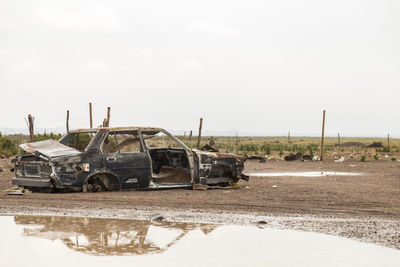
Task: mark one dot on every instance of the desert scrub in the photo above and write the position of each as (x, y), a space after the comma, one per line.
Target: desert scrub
(363, 158)
(8, 147)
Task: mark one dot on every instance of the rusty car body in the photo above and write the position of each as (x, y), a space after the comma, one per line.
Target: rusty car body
(111, 159)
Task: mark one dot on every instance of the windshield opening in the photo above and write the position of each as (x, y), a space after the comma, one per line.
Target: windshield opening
(78, 141)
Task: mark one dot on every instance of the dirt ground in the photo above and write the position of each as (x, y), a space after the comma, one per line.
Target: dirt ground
(365, 207)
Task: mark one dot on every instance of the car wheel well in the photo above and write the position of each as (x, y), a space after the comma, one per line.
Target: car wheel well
(101, 182)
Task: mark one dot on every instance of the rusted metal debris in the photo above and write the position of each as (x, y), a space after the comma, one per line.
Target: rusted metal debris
(299, 157)
(122, 158)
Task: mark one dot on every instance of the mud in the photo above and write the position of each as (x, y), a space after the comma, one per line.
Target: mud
(364, 207)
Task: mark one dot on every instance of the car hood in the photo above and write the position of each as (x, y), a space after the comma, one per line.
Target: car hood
(49, 149)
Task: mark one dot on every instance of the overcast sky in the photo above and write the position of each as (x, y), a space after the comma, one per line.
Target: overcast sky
(255, 66)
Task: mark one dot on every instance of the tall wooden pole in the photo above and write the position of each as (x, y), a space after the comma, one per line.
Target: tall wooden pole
(108, 116)
(199, 136)
(67, 121)
(338, 137)
(388, 142)
(31, 133)
(190, 135)
(323, 136)
(288, 137)
(237, 143)
(90, 115)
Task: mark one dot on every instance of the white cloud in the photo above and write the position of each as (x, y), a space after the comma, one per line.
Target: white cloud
(93, 16)
(213, 27)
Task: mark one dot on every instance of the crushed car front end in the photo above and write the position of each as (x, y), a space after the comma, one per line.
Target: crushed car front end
(49, 166)
(217, 168)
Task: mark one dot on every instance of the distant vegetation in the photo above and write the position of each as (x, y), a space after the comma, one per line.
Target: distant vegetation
(264, 146)
(9, 143)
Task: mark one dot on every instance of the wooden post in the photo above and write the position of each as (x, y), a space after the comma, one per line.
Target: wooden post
(31, 133)
(199, 136)
(388, 142)
(190, 135)
(338, 137)
(237, 143)
(288, 138)
(323, 136)
(105, 122)
(90, 115)
(67, 122)
(108, 116)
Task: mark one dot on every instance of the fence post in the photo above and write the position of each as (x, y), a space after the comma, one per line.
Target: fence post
(90, 115)
(199, 136)
(31, 133)
(323, 136)
(67, 122)
(108, 116)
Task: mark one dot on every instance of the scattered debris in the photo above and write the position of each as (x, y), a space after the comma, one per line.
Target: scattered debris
(261, 159)
(274, 186)
(299, 156)
(354, 144)
(376, 144)
(315, 158)
(17, 191)
(293, 157)
(394, 159)
(211, 146)
(307, 157)
(158, 218)
(352, 165)
(341, 159)
(203, 187)
(261, 224)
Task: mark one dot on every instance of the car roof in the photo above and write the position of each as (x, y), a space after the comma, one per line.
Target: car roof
(122, 128)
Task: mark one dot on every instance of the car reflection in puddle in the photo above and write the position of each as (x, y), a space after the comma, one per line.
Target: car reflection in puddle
(98, 236)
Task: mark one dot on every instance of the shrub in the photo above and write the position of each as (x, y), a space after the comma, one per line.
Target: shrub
(363, 158)
(8, 147)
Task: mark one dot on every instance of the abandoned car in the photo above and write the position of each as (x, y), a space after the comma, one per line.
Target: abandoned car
(110, 159)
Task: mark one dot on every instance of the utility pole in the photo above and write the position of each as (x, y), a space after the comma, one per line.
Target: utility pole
(199, 136)
(338, 137)
(323, 136)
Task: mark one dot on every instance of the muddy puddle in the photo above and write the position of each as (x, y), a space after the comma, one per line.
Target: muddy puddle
(304, 174)
(66, 241)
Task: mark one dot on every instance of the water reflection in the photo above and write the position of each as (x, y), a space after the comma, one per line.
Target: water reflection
(109, 236)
